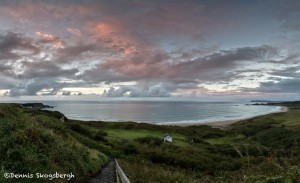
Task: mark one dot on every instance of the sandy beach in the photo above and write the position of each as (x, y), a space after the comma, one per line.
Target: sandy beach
(222, 124)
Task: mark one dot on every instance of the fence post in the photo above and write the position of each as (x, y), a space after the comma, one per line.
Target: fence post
(121, 174)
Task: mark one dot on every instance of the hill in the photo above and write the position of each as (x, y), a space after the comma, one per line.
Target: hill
(35, 141)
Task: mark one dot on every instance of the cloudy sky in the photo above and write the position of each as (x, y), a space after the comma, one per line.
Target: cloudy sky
(157, 48)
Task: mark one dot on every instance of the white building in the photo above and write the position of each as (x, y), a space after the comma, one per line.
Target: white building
(167, 138)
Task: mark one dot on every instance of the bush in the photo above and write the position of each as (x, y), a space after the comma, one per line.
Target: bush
(80, 129)
(152, 141)
(100, 136)
(250, 130)
(278, 137)
(130, 149)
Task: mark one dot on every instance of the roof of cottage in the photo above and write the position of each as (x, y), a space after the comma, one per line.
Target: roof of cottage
(167, 135)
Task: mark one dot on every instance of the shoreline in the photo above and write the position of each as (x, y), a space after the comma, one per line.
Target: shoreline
(223, 123)
(216, 124)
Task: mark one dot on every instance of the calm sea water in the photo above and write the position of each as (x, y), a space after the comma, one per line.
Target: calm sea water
(159, 112)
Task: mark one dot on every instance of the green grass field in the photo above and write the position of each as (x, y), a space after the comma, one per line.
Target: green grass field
(128, 134)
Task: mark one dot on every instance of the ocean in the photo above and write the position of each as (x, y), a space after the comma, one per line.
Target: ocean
(159, 112)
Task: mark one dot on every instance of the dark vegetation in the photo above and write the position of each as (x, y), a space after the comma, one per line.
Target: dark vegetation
(35, 106)
(37, 141)
(260, 149)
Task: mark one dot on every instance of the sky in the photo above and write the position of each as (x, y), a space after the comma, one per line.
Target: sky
(205, 49)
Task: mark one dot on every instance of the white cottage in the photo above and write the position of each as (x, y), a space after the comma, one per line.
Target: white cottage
(167, 138)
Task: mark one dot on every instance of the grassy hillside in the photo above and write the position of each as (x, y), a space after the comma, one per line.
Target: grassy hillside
(261, 149)
(37, 141)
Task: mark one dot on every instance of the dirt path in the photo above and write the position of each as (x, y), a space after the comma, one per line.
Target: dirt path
(107, 174)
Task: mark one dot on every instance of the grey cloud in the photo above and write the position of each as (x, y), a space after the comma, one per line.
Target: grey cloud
(6, 82)
(74, 52)
(44, 69)
(285, 80)
(283, 86)
(289, 13)
(137, 91)
(190, 54)
(4, 68)
(120, 92)
(56, 88)
(31, 87)
(287, 72)
(215, 67)
(23, 72)
(222, 66)
(96, 75)
(13, 45)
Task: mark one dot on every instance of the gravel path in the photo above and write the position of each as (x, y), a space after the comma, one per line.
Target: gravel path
(107, 174)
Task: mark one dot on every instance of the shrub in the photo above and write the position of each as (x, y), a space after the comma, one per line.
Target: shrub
(80, 129)
(152, 141)
(130, 149)
(100, 136)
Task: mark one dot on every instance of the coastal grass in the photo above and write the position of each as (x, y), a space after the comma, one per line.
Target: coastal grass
(140, 171)
(38, 142)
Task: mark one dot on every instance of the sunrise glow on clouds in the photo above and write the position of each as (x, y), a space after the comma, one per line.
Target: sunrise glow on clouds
(142, 48)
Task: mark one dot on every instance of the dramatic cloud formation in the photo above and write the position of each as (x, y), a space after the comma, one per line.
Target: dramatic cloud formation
(153, 48)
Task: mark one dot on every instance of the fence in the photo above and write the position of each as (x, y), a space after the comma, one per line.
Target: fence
(121, 176)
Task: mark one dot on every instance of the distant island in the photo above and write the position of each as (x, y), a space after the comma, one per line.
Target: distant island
(261, 101)
(275, 103)
(35, 105)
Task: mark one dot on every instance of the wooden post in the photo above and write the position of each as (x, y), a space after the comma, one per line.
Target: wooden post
(121, 174)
